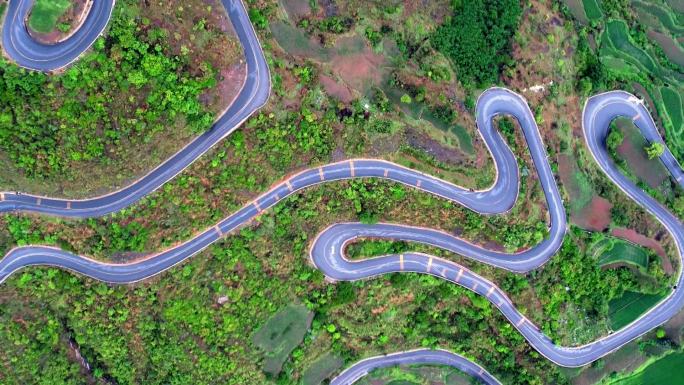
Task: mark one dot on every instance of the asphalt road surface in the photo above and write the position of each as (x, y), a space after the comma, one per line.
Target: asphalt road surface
(327, 251)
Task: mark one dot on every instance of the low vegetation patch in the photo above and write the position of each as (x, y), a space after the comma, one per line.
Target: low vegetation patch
(321, 369)
(46, 13)
(592, 9)
(629, 306)
(281, 334)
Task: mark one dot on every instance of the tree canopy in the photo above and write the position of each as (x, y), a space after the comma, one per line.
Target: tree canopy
(477, 38)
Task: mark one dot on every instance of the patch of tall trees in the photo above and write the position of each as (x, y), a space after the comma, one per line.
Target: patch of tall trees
(477, 38)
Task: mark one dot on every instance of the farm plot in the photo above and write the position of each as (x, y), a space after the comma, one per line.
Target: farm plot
(610, 251)
(281, 334)
(670, 46)
(632, 151)
(673, 107)
(592, 9)
(617, 43)
(629, 307)
(663, 15)
(321, 369)
(577, 10)
(658, 372)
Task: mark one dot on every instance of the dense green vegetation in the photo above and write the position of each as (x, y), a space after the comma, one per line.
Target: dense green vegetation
(477, 38)
(197, 323)
(46, 13)
(48, 124)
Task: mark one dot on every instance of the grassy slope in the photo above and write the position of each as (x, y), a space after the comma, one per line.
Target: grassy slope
(45, 14)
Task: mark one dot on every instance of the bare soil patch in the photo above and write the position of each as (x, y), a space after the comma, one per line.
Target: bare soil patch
(650, 171)
(336, 89)
(420, 140)
(596, 216)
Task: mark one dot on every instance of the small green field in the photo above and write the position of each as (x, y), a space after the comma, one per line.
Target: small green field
(321, 369)
(673, 106)
(46, 13)
(592, 9)
(577, 10)
(609, 250)
(281, 334)
(629, 307)
(665, 371)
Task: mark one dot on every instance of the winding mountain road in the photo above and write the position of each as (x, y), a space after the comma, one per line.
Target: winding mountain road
(20, 46)
(327, 251)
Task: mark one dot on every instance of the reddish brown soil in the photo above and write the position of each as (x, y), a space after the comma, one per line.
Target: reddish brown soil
(566, 169)
(639, 239)
(231, 80)
(596, 216)
(74, 16)
(296, 8)
(360, 71)
(650, 171)
(335, 89)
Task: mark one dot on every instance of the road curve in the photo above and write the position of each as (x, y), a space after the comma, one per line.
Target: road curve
(28, 53)
(252, 96)
(327, 251)
(414, 357)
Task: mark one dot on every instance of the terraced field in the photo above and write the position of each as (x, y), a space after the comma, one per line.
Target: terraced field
(592, 9)
(610, 251)
(647, 51)
(617, 43)
(673, 107)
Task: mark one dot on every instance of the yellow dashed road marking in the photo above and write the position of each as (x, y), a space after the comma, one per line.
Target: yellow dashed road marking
(218, 230)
